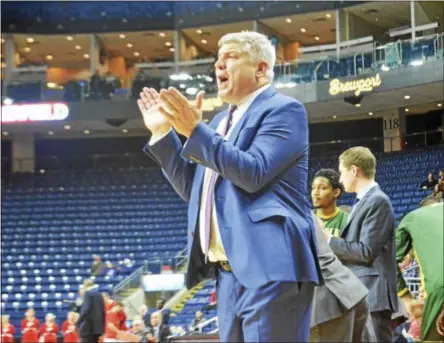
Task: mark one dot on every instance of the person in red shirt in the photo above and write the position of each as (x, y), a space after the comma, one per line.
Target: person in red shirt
(30, 327)
(69, 328)
(113, 322)
(49, 330)
(8, 330)
(109, 303)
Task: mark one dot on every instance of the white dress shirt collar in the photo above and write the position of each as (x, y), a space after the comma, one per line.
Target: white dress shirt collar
(367, 189)
(248, 100)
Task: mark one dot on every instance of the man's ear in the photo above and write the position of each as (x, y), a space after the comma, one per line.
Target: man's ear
(262, 69)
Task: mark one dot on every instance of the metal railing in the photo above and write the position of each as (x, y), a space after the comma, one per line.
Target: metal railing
(206, 323)
(131, 281)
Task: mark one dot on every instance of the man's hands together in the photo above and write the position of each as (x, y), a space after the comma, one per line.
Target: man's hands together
(169, 109)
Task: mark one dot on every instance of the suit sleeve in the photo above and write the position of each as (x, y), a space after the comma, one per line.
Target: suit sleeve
(403, 246)
(377, 229)
(325, 254)
(178, 170)
(280, 140)
(85, 309)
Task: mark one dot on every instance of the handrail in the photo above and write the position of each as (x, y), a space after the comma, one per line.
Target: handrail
(124, 284)
(206, 323)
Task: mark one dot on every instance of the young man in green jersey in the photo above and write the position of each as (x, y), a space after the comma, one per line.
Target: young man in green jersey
(325, 192)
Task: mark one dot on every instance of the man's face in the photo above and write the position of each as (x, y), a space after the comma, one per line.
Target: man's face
(154, 319)
(322, 193)
(430, 176)
(137, 327)
(199, 315)
(236, 73)
(159, 304)
(348, 177)
(441, 173)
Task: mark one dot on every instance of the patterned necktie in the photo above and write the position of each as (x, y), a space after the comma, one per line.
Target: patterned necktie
(210, 190)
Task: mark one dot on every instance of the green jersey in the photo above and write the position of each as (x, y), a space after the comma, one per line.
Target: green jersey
(335, 222)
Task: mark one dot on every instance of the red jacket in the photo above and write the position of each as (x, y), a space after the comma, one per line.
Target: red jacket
(8, 333)
(30, 330)
(70, 334)
(49, 333)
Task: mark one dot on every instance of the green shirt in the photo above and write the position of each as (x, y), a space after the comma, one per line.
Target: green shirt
(423, 230)
(335, 222)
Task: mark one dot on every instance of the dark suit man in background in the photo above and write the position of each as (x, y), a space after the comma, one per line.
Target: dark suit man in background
(158, 331)
(245, 178)
(366, 244)
(340, 306)
(91, 322)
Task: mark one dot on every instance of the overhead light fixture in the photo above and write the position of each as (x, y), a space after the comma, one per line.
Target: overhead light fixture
(78, 47)
(168, 44)
(162, 34)
(124, 130)
(8, 101)
(122, 36)
(328, 15)
(303, 30)
(335, 117)
(199, 32)
(42, 171)
(288, 20)
(316, 37)
(204, 41)
(50, 133)
(30, 40)
(5, 133)
(51, 85)
(86, 132)
(85, 56)
(385, 68)
(3, 40)
(439, 105)
(407, 110)
(129, 45)
(49, 57)
(417, 63)
(370, 113)
(26, 49)
(67, 127)
(357, 105)
(70, 38)
(3, 65)
(406, 97)
(182, 86)
(172, 49)
(136, 54)
(191, 91)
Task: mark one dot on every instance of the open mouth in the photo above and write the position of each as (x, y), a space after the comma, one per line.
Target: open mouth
(223, 80)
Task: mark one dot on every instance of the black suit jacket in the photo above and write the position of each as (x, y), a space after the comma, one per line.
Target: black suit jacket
(92, 314)
(367, 246)
(164, 332)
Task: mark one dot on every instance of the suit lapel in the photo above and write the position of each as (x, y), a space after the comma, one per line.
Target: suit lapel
(357, 209)
(270, 91)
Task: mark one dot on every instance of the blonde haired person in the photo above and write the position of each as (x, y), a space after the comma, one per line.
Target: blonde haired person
(49, 330)
(366, 244)
(244, 176)
(8, 330)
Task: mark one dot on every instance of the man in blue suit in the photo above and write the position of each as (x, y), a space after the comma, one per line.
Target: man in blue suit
(245, 178)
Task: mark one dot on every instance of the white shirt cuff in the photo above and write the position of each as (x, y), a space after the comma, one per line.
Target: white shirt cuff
(154, 140)
(329, 239)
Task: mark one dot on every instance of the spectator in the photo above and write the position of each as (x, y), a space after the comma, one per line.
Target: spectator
(160, 306)
(113, 322)
(110, 270)
(199, 319)
(429, 183)
(422, 230)
(139, 329)
(159, 331)
(95, 84)
(127, 266)
(97, 267)
(8, 330)
(416, 309)
(69, 328)
(30, 327)
(441, 175)
(49, 330)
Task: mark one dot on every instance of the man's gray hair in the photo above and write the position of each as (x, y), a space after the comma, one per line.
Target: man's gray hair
(257, 45)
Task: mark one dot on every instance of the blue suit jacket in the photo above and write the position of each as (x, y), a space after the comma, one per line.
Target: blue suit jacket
(260, 197)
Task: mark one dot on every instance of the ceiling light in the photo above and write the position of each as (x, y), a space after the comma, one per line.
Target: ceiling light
(3, 65)
(334, 117)
(385, 68)
(8, 101)
(78, 47)
(204, 41)
(124, 130)
(303, 30)
(288, 20)
(357, 105)
(168, 44)
(162, 34)
(3, 40)
(199, 32)
(328, 15)
(5, 133)
(50, 133)
(85, 56)
(416, 63)
(407, 110)
(49, 57)
(136, 54)
(67, 127)
(30, 40)
(69, 38)
(27, 49)
(172, 49)
(86, 132)
(316, 37)
(122, 36)
(51, 85)
(406, 97)
(439, 105)
(370, 113)
(129, 45)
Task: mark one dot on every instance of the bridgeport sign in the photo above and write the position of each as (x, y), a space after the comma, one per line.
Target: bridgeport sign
(357, 86)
